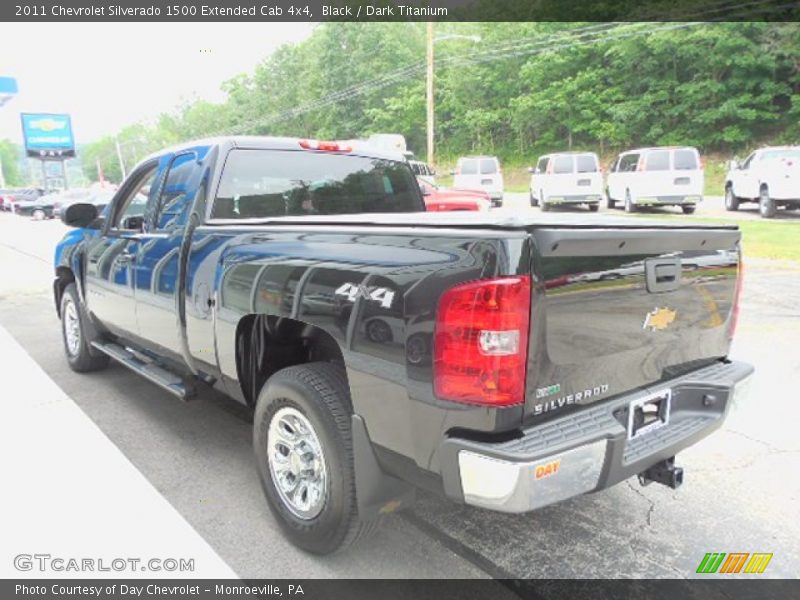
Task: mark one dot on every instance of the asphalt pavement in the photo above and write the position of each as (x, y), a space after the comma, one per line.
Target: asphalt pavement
(741, 487)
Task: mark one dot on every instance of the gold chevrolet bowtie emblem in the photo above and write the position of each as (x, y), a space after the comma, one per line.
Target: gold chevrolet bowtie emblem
(659, 318)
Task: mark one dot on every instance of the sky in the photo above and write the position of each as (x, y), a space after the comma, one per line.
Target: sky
(108, 75)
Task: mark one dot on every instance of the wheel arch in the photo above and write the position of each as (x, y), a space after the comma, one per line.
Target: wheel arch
(266, 344)
(64, 276)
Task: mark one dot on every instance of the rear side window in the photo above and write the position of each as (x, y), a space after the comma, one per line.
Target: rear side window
(488, 166)
(469, 167)
(628, 163)
(279, 183)
(586, 163)
(562, 164)
(657, 160)
(685, 160)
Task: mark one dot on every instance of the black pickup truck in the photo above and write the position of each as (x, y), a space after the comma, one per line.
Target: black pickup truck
(506, 361)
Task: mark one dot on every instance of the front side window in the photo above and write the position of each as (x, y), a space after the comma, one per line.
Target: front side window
(129, 214)
(175, 202)
(279, 183)
(541, 166)
(628, 163)
(563, 164)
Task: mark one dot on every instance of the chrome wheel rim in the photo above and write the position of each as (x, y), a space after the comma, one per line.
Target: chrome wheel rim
(297, 463)
(72, 328)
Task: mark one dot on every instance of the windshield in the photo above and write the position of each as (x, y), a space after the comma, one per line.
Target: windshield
(278, 183)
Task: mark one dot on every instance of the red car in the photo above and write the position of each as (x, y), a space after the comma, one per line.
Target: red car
(439, 199)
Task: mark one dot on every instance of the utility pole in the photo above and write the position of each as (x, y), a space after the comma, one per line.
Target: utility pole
(429, 93)
(119, 157)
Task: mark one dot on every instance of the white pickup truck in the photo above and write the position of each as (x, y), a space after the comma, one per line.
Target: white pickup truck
(769, 176)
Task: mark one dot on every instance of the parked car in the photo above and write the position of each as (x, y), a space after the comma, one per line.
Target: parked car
(567, 178)
(430, 357)
(422, 169)
(21, 196)
(64, 198)
(769, 176)
(670, 176)
(480, 173)
(442, 199)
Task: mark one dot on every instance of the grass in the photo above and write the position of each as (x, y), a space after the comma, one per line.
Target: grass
(760, 239)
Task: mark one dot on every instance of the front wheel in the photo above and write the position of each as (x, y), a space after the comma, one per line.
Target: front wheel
(766, 204)
(534, 199)
(304, 453)
(609, 201)
(688, 209)
(594, 207)
(39, 215)
(77, 334)
(731, 201)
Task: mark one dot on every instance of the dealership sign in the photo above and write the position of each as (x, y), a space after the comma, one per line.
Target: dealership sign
(48, 135)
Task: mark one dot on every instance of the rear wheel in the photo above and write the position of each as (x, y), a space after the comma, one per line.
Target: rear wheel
(688, 209)
(766, 205)
(534, 199)
(39, 215)
(731, 201)
(629, 205)
(77, 334)
(304, 452)
(594, 207)
(609, 201)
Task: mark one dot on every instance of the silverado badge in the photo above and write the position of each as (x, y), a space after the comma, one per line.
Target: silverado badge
(659, 319)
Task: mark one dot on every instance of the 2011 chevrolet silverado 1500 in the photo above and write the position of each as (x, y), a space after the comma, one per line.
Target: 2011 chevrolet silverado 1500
(506, 361)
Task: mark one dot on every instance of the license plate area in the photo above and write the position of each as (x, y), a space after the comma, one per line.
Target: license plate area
(486, 182)
(682, 181)
(649, 413)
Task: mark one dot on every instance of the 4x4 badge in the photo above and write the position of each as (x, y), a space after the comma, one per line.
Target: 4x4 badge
(659, 319)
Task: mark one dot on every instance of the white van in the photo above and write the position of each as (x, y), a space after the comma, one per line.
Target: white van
(657, 177)
(567, 178)
(480, 173)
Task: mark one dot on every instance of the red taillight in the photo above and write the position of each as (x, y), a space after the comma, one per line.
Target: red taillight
(736, 296)
(324, 146)
(481, 342)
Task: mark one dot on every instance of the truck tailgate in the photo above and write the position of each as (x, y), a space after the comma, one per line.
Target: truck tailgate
(620, 309)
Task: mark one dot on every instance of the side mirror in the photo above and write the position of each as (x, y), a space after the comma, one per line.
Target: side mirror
(79, 214)
(531, 170)
(133, 223)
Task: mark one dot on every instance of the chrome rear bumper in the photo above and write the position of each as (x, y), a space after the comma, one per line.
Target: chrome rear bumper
(589, 449)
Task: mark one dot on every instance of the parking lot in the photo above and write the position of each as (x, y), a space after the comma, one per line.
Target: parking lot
(740, 491)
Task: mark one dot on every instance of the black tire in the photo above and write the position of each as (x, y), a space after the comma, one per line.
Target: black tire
(594, 207)
(688, 209)
(39, 214)
(79, 353)
(731, 201)
(534, 199)
(610, 202)
(630, 207)
(766, 204)
(318, 391)
(545, 207)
